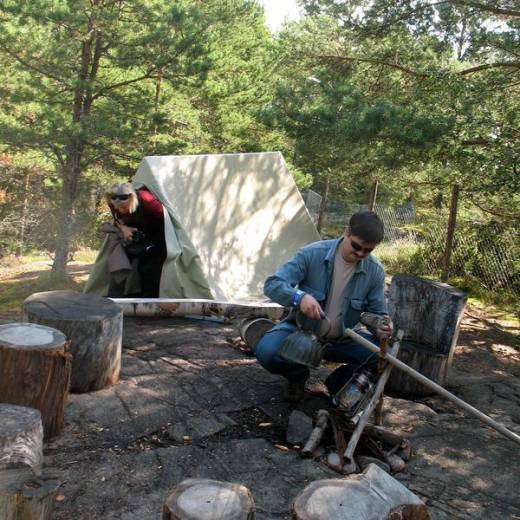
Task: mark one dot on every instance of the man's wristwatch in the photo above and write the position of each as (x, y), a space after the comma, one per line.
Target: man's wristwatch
(297, 298)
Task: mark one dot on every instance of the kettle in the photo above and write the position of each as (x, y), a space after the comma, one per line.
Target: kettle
(304, 346)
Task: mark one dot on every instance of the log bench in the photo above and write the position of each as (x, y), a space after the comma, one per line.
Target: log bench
(94, 327)
(203, 499)
(35, 371)
(24, 496)
(21, 437)
(429, 313)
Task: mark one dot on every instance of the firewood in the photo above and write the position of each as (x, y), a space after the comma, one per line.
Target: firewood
(317, 434)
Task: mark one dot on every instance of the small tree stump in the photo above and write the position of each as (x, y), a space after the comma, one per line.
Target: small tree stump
(35, 371)
(21, 437)
(94, 327)
(366, 496)
(202, 499)
(23, 496)
(429, 313)
(251, 330)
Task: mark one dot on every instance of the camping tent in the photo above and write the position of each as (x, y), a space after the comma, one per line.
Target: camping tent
(242, 212)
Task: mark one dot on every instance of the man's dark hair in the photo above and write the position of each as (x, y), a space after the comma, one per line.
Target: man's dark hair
(367, 226)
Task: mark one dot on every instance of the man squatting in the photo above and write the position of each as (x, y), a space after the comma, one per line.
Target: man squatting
(340, 278)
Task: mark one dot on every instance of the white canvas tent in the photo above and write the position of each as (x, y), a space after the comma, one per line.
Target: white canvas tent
(243, 213)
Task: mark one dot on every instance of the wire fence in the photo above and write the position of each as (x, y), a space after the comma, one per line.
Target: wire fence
(415, 242)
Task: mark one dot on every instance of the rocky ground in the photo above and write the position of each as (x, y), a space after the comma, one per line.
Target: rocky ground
(193, 403)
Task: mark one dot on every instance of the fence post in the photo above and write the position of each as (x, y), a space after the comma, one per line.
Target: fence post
(450, 233)
(373, 196)
(323, 205)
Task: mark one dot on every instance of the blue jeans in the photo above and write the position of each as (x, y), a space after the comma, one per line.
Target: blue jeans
(345, 351)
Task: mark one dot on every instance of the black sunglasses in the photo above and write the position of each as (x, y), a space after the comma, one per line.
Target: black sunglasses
(359, 247)
(119, 197)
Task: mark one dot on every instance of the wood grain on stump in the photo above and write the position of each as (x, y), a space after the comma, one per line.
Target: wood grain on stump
(366, 496)
(23, 496)
(21, 437)
(202, 499)
(251, 330)
(429, 313)
(94, 327)
(35, 371)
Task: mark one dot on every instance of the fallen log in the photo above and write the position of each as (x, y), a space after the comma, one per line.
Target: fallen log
(168, 307)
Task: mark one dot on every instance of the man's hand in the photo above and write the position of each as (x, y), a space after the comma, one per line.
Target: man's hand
(385, 330)
(311, 308)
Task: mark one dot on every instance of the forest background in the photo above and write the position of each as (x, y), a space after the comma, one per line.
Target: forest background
(413, 103)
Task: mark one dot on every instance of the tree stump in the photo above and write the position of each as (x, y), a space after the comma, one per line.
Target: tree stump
(35, 371)
(429, 313)
(23, 496)
(251, 330)
(21, 437)
(366, 496)
(202, 499)
(94, 327)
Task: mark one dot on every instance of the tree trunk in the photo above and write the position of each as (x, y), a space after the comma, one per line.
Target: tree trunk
(94, 326)
(25, 210)
(450, 233)
(35, 371)
(201, 498)
(323, 205)
(21, 437)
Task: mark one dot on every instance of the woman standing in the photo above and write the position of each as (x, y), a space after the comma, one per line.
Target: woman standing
(139, 217)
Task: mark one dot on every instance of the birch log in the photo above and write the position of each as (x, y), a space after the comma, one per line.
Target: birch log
(202, 499)
(169, 307)
(23, 496)
(21, 437)
(94, 327)
(35, 371)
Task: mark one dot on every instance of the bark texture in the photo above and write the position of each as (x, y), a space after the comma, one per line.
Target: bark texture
(23, 496)
(21, 437)
(429, 313)
(35, 371)
(94, 327)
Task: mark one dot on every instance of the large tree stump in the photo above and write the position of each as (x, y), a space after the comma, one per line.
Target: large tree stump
(366, 496)
(23, 496)
(21, 437)
(94, 327)
(35, 371)
(202, 499)
(429, 313)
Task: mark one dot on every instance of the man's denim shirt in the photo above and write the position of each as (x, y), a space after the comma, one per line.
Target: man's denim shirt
(310, 270)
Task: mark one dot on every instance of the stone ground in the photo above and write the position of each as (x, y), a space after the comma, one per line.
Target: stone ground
(193, 403)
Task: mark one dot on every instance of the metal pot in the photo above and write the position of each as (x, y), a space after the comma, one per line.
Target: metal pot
(303, 346)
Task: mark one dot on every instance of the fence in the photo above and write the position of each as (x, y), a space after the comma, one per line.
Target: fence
(415, 242)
